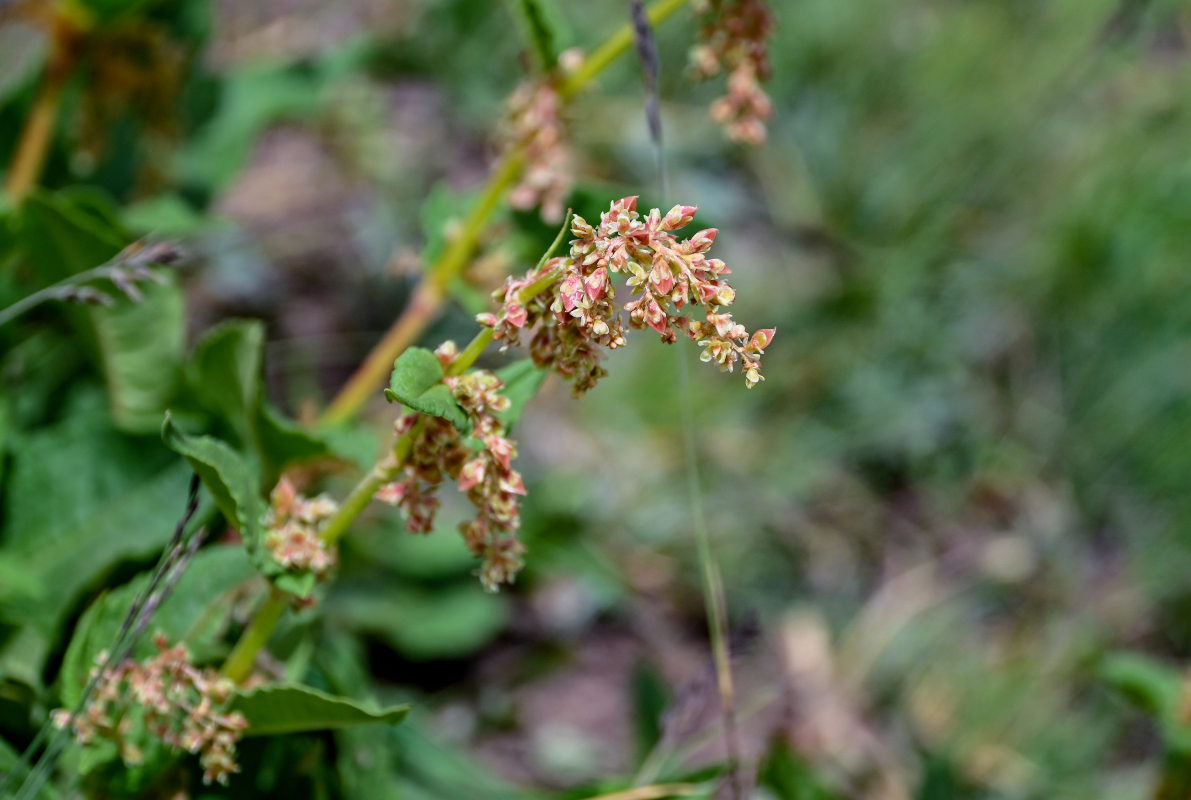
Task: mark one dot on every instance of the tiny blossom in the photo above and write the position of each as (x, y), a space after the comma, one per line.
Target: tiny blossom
(534, 126)
(293, 523)
(579, 318)
(485, 473)
(733, 38)
(179, 703)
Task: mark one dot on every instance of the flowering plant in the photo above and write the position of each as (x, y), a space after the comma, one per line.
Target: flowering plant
(263, 541)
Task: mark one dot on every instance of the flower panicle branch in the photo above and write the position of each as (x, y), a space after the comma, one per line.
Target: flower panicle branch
(480, 465)
(733, 38)
(533, 126)
(571, 326)
(180, 704)
(293, 522)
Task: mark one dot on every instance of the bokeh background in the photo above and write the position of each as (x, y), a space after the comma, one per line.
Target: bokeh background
(953, 522)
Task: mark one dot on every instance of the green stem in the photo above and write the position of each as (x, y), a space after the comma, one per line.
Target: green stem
(470, 353)
(481, 340)
(713, 585)
(428, 299)
(382, 472)
(239, 663)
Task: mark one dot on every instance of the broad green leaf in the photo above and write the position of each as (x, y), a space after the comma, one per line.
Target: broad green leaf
(440, 555)
(224, 374)
(141, 346)
(447, 622)
(234, 484)
(166, 214)
(417, 384)
(81, 487)
(521, 382)
(193, 614)
(138, 345)
(67, 232)
(226, 474)
(283, 441)
(272, 710)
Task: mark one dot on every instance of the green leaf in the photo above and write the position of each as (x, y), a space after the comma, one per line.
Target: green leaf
(81, 487)
(272, 710)
(284, 441)
(138, 345)
(225, 473)
(224, 374)
(441, 555)
(521, 382)
(141, 345)
(447, 622)
(67, 232)
(417, 384)
(233, 482)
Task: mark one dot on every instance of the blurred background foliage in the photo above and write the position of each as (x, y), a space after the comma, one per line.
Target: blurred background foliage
(952, 521)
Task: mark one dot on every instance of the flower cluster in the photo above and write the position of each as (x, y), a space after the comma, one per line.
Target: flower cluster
(293, 522)
(533, 125)
(733, 38)
(178, 703)
(579, 318)
(484, 472)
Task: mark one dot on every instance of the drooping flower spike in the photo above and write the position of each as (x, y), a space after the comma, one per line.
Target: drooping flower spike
(439, 451)
(180, 704)
(572, 324)
(734, 39)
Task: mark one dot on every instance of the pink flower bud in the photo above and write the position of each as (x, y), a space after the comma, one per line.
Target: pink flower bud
(702, 241)
(597, 283)
(472, 474)
(486, 319)
(501, 449)
(581, 228)
(516, 315)
(446, 352)
(661, 277)
(391, 493)
(571, 291)
(512, 483)
(761, 339)
(655, 317)
(678, 217)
